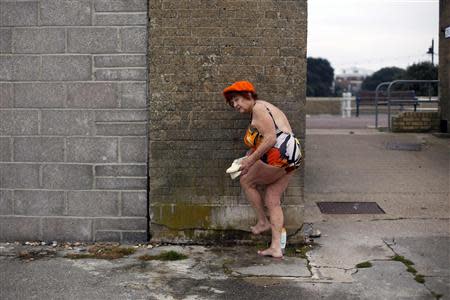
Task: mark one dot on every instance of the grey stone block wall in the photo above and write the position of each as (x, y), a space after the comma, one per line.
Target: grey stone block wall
(73, 115)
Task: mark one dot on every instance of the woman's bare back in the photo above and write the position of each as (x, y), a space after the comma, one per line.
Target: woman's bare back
(279, 117)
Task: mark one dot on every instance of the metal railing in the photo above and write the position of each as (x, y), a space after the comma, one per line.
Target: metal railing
(390, 84)
(376, 100)
(396, 82)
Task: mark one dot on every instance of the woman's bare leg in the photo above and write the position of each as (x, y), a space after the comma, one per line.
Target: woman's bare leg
(255, 200)
(259, 173)
(272, 200)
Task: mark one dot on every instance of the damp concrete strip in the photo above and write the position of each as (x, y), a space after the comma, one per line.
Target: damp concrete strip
(269, 267)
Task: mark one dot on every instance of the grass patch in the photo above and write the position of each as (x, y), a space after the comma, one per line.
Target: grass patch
(36, 254)
(166, 256)
(403, 260)
(79, 256)
(297, 252)
(419, 278)
(364, 264)
(103, 252)
(290, 251)
(261, 245)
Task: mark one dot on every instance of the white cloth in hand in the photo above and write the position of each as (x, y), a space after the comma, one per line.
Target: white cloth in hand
(234, 169)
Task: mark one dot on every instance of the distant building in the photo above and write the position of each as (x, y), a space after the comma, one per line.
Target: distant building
(350, 80)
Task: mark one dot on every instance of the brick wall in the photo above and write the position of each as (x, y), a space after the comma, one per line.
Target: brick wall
(73, 120)
(196, 49)
(415, 122)
(444, 65)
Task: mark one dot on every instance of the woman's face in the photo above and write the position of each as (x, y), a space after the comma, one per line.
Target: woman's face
(241, 104)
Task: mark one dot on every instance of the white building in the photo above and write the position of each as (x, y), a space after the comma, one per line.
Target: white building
(350, 80)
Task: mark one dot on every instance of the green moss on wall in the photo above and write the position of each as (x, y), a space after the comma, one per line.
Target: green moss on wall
(182, 216)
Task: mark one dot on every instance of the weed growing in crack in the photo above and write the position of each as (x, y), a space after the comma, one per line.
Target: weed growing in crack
(364, 264)
(411, 270)
(419, 278)
(437, 296)
(402, 259)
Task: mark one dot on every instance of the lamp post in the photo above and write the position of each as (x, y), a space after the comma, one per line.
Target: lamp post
(431, 51)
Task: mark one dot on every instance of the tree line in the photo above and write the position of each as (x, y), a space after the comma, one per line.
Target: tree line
(320, 78)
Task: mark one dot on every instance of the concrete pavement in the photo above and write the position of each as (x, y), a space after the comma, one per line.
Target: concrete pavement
(412, 187)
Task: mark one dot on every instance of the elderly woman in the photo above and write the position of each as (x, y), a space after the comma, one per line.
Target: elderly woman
(274, 153)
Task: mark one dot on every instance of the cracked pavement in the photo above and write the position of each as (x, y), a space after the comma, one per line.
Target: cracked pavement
(412, 187)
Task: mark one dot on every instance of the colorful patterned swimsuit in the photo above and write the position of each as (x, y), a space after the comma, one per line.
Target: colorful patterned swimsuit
(286, 153)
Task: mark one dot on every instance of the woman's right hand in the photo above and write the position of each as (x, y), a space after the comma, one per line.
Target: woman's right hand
(246, 164)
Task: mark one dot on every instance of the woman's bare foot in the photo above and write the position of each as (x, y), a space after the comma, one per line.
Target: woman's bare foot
(259, 228)
(276, 253)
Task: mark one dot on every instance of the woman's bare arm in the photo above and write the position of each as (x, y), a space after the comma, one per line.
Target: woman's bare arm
(264, 123)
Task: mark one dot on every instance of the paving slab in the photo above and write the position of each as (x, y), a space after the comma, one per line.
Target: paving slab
(285, 267)
(361, 164)
(430, 254)
(331, 274)
(337, 122)
(207, 273)
(343, 245)
(431, 258)
(56, 278)
(389, 280)
(439, 285)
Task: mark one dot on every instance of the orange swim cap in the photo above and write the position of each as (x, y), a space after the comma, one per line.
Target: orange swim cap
(240, 86)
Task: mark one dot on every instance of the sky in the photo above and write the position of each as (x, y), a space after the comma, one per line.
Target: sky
(372, 34)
